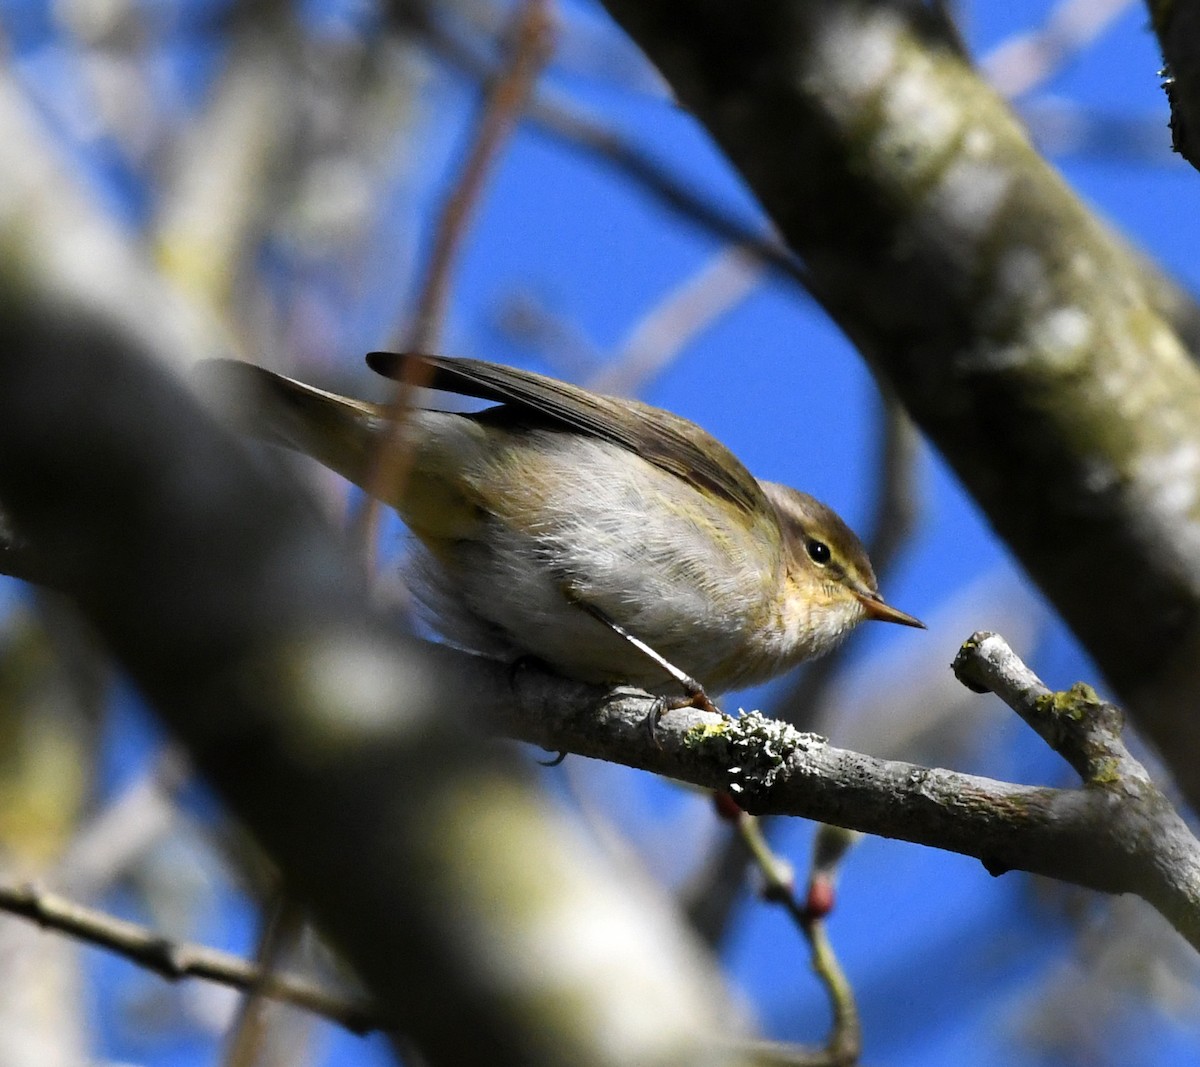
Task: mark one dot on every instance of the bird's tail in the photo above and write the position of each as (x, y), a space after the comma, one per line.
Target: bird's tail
(337, 431)
(346, 435)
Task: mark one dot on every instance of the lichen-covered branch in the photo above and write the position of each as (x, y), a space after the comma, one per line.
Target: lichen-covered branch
(1116, 834)
(1019, 332)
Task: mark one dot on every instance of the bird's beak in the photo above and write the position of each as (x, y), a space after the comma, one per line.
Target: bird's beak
(877, 609)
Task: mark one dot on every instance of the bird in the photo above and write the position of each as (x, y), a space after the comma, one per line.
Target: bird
(614, 542)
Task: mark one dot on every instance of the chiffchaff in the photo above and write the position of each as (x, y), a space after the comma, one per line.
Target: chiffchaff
(579, 529)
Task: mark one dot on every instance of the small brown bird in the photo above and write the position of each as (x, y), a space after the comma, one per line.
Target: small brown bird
(600, 535)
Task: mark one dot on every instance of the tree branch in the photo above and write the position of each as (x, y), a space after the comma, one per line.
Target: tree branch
(176, 960)
(1117, 834)
(1177, 23)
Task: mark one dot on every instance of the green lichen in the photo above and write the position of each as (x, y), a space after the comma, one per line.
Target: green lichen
(1076, 703)
(1104, 772)
(704, 732)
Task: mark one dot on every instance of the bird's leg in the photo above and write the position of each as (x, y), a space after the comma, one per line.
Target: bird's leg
(694, 694)
(514, 671)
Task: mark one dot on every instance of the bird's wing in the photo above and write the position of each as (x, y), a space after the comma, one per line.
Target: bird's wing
(666, 440)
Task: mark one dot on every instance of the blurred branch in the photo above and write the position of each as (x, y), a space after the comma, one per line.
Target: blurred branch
(1066, 129)
(676, 320)
(1024, 61)
(658, 338)
(341, 744)
(56, 237)
(176, 960)
(554, 116)
(282, 923)
(1177, 23)
(530, 46)
(1023, 338)
(109, 842)
(508, 90)
(557, 339)
(220, 173)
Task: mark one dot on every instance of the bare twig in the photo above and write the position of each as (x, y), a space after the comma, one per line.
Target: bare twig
(829, 849)
(507, 92)
(655, 340)
(687, 311)
(779, 887)
(129, 824)
(281, 924)
(556, 338)
(1077, 724)
(176, 960)
(555, 117)
(1025, 61)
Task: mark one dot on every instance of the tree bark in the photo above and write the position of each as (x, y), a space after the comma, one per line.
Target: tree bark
(1177, 23)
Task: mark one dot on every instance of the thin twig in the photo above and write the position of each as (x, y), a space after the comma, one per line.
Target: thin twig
(176, 960)
(553, 116)
(658, 337)
(504, 100)
(557, 339)
(779, 887)
(1023, 62)
(280, 926)
(139, 815)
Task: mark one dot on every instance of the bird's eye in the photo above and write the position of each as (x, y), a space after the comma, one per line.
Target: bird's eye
(818, 551)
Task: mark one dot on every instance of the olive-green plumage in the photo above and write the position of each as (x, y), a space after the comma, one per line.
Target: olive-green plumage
(560, 509)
